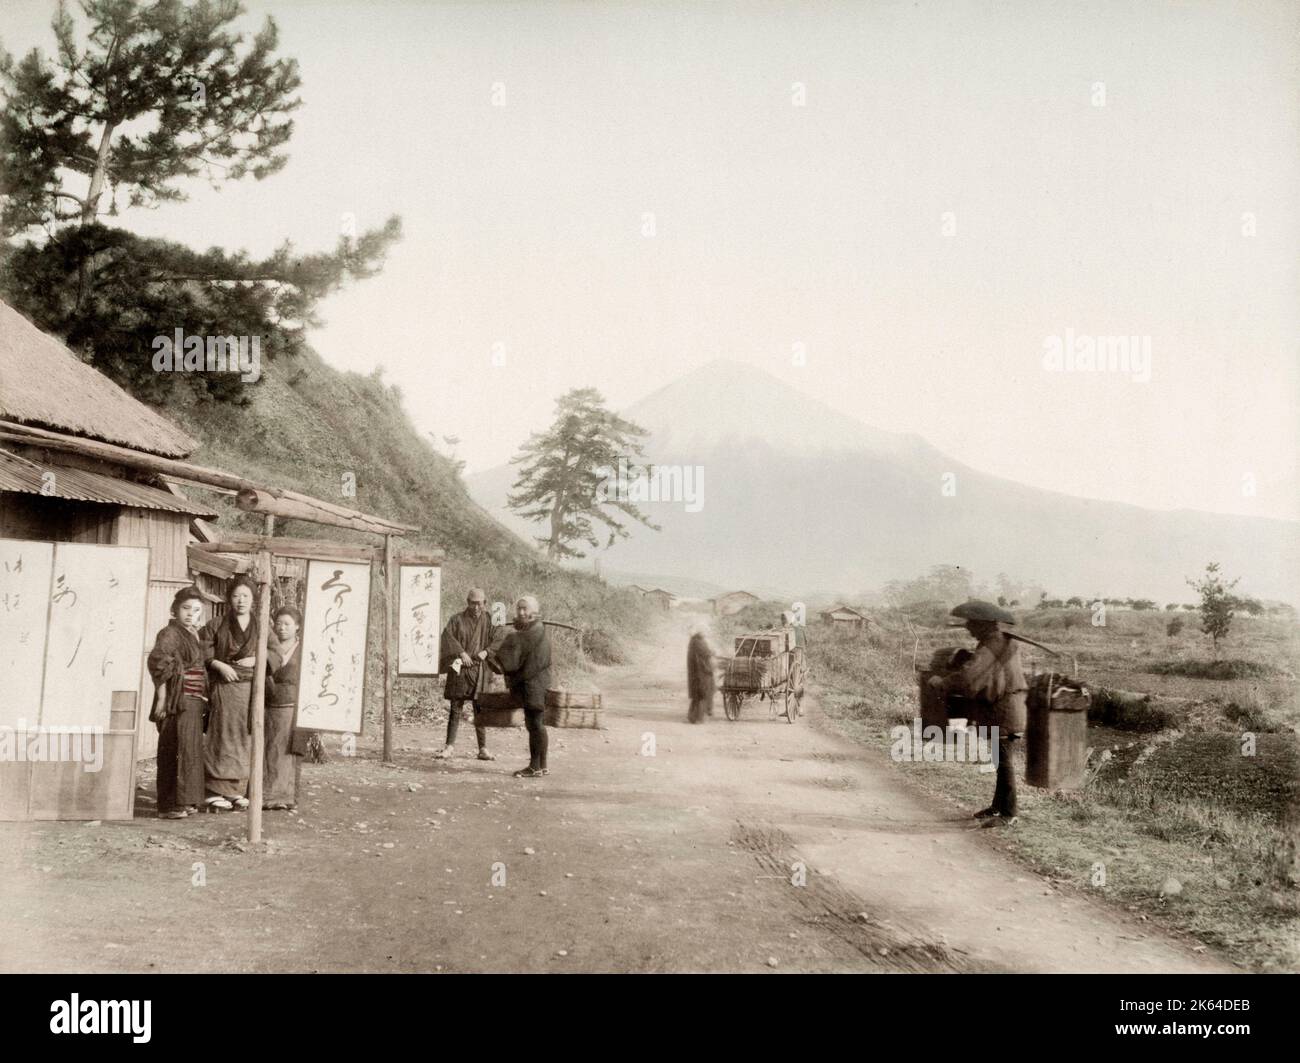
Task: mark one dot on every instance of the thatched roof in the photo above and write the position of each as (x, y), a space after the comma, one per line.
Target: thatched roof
(44, 384)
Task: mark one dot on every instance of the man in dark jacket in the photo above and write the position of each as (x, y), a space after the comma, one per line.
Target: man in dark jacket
(467, 640)
(524, 658)
(994, 679)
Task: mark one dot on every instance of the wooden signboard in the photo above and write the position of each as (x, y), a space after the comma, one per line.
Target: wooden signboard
(419, 624)
(96, 633)
(71, 630)
(72, 639)
(332, 684)
(25, 571)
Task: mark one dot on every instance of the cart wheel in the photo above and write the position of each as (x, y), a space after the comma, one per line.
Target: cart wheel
(731, 705)
(791, 705)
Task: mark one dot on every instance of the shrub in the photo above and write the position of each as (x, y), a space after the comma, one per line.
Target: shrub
(1228, 668)
(600, 647)
(1174, 626)
(1128, 713)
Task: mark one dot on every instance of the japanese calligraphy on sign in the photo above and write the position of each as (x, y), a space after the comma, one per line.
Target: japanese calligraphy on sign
(419, 624)
(72, 632)
(331, 688)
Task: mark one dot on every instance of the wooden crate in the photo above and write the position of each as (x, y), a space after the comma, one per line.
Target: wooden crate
(568, 708)
(761, 644)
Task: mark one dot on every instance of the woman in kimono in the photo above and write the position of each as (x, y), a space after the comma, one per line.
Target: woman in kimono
(230, 650)
(180, 700)
(281, 771)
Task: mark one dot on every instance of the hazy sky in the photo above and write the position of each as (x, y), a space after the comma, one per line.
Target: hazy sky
(822, 225)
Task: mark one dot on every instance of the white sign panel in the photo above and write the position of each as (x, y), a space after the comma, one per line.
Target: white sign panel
(96, 635)
(332, 684)
(25, 570)
(419, 626)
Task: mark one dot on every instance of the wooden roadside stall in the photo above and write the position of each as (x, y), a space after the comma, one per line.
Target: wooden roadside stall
(272, 503)
(96, 536)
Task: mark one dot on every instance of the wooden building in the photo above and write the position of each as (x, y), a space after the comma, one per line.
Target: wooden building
(732, 602)
(665, 600)
(845, 617)
(52, 496)
(89, 489)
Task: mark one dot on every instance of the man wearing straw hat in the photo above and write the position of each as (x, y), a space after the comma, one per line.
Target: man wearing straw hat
(995, 678)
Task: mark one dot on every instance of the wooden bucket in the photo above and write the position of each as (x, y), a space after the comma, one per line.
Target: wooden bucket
(498, 709)
(1056, 740)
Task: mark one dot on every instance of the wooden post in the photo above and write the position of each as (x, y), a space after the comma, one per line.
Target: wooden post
(264, 571)
(390, 584)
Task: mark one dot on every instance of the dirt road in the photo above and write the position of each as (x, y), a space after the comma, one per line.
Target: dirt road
(752, 846)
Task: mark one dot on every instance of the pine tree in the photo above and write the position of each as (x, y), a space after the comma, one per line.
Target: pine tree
(160, 93)
(564, 468)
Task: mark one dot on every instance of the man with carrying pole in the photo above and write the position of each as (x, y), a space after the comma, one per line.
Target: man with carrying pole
(993, 679)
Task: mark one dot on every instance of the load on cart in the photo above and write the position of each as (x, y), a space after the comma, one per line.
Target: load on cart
(767, 665)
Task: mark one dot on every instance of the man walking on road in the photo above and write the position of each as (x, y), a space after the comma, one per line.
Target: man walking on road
(525, 660)
(467, 640)
(995, 679)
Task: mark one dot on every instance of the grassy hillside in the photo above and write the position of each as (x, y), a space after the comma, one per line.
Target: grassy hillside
(318, 430)
(312, 428)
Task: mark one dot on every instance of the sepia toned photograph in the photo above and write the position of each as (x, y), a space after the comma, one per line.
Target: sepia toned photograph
(650, 487)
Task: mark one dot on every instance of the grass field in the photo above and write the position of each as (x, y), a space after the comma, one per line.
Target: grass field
(1175, 823)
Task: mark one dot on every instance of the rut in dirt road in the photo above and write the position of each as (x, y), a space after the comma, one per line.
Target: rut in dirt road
(889, 944)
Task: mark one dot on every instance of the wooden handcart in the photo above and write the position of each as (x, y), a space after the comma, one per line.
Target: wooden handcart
(766, 665)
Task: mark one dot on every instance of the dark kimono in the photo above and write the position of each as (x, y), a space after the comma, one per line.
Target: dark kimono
(524, 658)
(281, 768)
(177, 668)
(228, 756)
(700, 680)
(463, 635)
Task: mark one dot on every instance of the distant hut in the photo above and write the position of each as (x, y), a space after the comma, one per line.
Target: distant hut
(663, 599)
(732, 602)
(845, 618)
